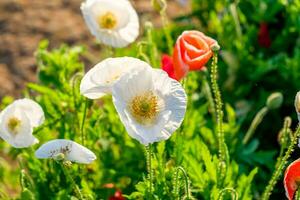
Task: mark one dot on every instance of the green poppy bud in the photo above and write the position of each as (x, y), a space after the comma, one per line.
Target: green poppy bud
(275, 100)
(59, 157)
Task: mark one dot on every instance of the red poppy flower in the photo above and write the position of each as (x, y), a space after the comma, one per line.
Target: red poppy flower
(117, 196)
(167, 65)
(292, 179)
(192, 51)
(264, 39)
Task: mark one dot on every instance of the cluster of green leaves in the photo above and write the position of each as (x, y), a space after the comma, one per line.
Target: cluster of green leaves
(120, 159)
(250, 72)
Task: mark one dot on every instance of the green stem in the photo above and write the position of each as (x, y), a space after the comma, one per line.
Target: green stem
(297, 196)
(279, 170)
(219, 113)
(233, 192)
(149, 167)
(76, 188)
(151, 44)
(76, 119)
(256, 121)
(165, 23)
(83, 121)
(285, 135)
(209, 96)
(141, 53)
(186, 182)
(234, 13)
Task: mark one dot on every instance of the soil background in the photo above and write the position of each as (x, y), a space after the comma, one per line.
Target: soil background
(23, 23)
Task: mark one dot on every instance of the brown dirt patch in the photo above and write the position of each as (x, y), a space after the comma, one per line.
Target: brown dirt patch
(23, 23)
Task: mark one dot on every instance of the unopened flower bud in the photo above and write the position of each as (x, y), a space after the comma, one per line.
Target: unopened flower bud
(59, 157)
(215, 47)
(67, 163)
(297, 104)
(159, 5)
(274, 101)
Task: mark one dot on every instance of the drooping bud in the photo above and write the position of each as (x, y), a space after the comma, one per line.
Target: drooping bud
(59, 157)
(215, 47)
(159, 5)
(67, 164)
(297, 104)
(275, 100)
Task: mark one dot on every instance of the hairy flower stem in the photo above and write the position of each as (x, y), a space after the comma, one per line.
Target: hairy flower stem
(256, 121)
(74, 80)
(177, 184)
(70, 178)
(219, 113)
(233, 192)
(165, 23)
(83, 121)
(209, 96)
(152, 51)
(285, 135)
(281, 166)
(149, 168)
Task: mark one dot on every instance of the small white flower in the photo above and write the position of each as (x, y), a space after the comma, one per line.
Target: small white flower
(67, 150)
(150, 104)
(18, 120)
(100, 79)
(113, 22)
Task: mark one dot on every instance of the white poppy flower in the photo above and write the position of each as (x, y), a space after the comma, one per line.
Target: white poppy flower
(69, 150)
(150, 104)
(113, 22)
(100, 79)
(18, 120)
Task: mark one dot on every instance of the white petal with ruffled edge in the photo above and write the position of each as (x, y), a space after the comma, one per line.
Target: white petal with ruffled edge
(126, 29)
(171, 101)
(33, 111)
(72, 151)
(27, 114)
(99, 81)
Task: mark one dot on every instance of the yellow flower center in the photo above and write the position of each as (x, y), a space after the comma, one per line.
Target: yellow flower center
(144, 108)
(107, 20)
(13, 125)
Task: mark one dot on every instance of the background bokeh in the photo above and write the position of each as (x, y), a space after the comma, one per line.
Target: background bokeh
(24, 23)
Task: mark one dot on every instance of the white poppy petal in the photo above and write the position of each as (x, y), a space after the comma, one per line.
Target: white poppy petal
(33, 111)
(16, 128)
(72, 151)
(99, 80)
(150, 104)
(122, 27)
